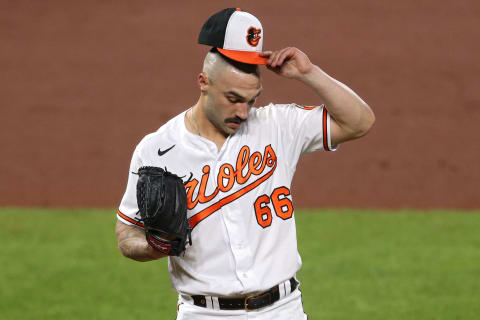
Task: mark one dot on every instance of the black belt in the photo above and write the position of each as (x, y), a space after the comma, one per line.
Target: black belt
(249, 302)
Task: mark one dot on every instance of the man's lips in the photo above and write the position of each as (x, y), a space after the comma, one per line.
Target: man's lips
(234, 122)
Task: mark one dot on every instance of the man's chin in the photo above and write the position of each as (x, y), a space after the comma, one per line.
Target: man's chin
(230, 128)
(233, 127)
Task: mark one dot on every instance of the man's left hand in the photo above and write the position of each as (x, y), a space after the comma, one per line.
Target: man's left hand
(288, 62)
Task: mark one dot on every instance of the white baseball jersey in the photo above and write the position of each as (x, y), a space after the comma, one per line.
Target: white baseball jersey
(239, 199)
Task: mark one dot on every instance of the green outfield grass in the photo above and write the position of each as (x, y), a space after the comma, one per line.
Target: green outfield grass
(63, 264)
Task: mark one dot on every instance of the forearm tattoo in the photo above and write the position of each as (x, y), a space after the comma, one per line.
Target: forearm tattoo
(132, 243)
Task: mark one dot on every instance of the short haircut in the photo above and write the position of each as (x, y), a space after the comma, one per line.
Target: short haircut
(215, 63)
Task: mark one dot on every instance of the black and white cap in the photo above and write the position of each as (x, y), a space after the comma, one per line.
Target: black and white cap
(236, 34)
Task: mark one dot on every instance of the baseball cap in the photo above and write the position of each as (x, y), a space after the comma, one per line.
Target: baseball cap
(236, 34)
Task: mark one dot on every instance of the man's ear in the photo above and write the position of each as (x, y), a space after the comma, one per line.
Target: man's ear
(203, 82)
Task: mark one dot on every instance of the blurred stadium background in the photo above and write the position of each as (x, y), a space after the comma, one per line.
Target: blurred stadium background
(83, 81)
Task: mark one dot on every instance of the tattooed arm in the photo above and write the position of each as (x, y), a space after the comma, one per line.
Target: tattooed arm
(132, 243)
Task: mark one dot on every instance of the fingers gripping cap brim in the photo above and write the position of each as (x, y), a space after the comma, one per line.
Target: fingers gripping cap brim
(244, 56)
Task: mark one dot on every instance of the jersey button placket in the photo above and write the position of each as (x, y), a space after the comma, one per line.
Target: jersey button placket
(239, 246)
(235, 226)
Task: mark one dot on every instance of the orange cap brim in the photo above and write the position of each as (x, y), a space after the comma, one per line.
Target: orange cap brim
(244, 56)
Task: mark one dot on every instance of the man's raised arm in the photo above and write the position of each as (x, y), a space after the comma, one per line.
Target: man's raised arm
(352, 117)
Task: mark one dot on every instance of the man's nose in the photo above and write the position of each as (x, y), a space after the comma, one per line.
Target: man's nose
(242, 111)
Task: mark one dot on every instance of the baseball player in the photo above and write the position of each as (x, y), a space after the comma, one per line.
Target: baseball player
(241, 159)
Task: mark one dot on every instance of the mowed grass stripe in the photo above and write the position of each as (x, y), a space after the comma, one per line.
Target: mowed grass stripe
(64, 264)
(401, 265)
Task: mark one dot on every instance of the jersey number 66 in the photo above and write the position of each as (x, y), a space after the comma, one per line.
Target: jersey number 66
(282, 205)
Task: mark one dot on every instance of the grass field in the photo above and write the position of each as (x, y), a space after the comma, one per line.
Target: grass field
(59, 264)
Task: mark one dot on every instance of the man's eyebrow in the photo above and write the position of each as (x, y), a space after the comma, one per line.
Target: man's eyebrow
(239, 96)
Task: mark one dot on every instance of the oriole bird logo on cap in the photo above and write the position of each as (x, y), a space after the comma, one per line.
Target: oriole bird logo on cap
(253, 36)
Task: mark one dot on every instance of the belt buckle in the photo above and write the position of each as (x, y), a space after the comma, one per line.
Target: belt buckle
(253, 297)
(245, 302)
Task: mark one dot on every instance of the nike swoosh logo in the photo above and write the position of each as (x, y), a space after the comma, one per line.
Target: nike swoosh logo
(161, 153)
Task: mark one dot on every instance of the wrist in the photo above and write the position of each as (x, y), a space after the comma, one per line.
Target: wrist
(312, 75)
(153, 253)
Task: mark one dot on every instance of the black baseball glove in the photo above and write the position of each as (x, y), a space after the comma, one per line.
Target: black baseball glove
(162, 203)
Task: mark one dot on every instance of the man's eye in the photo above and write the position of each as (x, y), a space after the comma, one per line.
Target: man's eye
(234, 100)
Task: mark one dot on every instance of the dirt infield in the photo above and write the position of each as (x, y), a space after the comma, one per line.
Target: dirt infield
(82, 82)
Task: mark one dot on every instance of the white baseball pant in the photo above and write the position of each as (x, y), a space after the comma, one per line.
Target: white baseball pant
(287, 308)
